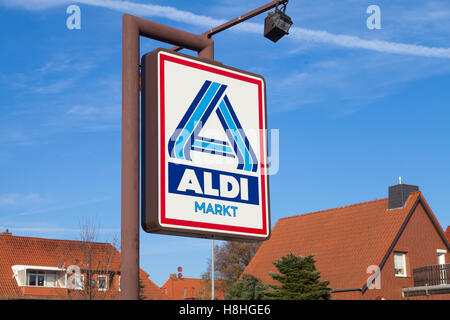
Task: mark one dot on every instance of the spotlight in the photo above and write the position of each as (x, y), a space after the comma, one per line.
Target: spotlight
(277, 24)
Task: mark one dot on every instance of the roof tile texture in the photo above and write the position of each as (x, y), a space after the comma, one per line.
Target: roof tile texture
(344, 241)
(16, 250)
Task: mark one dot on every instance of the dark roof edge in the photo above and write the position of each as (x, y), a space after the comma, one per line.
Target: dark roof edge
(346, 290)
(397, 237)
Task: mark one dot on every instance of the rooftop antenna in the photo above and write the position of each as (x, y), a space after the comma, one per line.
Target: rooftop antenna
(400, 180)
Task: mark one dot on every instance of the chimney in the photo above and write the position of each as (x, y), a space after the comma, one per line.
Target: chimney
(6, 233)
(399, 193)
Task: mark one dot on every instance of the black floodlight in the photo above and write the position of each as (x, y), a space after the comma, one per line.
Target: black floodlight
(277, 24)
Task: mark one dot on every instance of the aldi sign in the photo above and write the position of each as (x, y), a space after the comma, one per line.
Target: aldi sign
(204, 149)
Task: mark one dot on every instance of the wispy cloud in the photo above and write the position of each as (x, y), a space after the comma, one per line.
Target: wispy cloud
(297, 34)
(63, 207)
(345, 89)
(13, 199)
(374, 45)
(95, 113)
(55, 76)
(33, 4)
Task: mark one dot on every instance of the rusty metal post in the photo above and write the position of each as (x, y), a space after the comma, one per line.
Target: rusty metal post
(129, 261)
(133, 28)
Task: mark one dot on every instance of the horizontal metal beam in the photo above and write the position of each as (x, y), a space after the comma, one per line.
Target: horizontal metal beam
(237, 20)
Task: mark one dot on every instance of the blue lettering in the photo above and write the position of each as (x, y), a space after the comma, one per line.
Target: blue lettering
(225, 210)
(210, 209)
(215, 209)
(213, 184)
(198, 207)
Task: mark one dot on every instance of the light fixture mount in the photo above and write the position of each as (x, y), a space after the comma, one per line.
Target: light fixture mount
(277, 23)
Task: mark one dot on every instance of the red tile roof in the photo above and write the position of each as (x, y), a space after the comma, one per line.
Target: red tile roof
(344, 241)
(151, 291)
(28, 251)
(447, 233)
(192, 288)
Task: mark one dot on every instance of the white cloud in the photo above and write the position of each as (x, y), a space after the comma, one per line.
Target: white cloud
(34, 4)
(374, 45)
(12, 199)
(95, 113)
(63, 206)
(343, 88)
(298, 34)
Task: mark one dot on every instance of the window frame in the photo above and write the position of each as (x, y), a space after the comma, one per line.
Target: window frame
(441, 253)
(405, 268)
(106, 283)
(40, 273)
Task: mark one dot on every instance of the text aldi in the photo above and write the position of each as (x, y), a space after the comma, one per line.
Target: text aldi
(204, 149)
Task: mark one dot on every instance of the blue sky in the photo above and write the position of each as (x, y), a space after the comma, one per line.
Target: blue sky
(355, 109)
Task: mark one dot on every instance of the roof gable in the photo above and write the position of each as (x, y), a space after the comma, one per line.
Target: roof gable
(192, 288)
(344, 241)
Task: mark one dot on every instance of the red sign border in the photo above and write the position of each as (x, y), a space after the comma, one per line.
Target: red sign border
(162, 58)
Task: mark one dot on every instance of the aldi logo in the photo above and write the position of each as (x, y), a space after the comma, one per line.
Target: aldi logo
(204, 149)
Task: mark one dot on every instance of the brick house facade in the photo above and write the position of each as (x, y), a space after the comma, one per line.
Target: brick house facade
(349, 244)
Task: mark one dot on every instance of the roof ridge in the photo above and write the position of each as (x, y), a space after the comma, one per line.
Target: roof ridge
(331, 209)
(48, 239)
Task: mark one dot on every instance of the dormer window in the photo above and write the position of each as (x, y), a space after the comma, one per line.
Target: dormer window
(41, 278)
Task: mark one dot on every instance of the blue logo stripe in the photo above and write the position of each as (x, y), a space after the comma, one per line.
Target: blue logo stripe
(231, 155)
(187, 134)
(186, 116)
(231, 138)
(190, 125)
(212, 140)
(212, 146)
(248, 164)
(241, 131)
(203, 119)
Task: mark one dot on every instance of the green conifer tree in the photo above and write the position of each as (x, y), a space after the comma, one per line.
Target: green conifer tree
(299, 280)
(248, 288)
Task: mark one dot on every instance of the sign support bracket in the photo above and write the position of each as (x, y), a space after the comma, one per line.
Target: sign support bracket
(132, 29)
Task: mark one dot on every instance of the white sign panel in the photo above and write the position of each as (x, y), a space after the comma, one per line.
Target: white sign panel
(204, 147)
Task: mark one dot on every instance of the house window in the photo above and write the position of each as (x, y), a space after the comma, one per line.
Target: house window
(441, 256)
(400, 264)
(101, 283)
(41, 278)
(443, 277)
